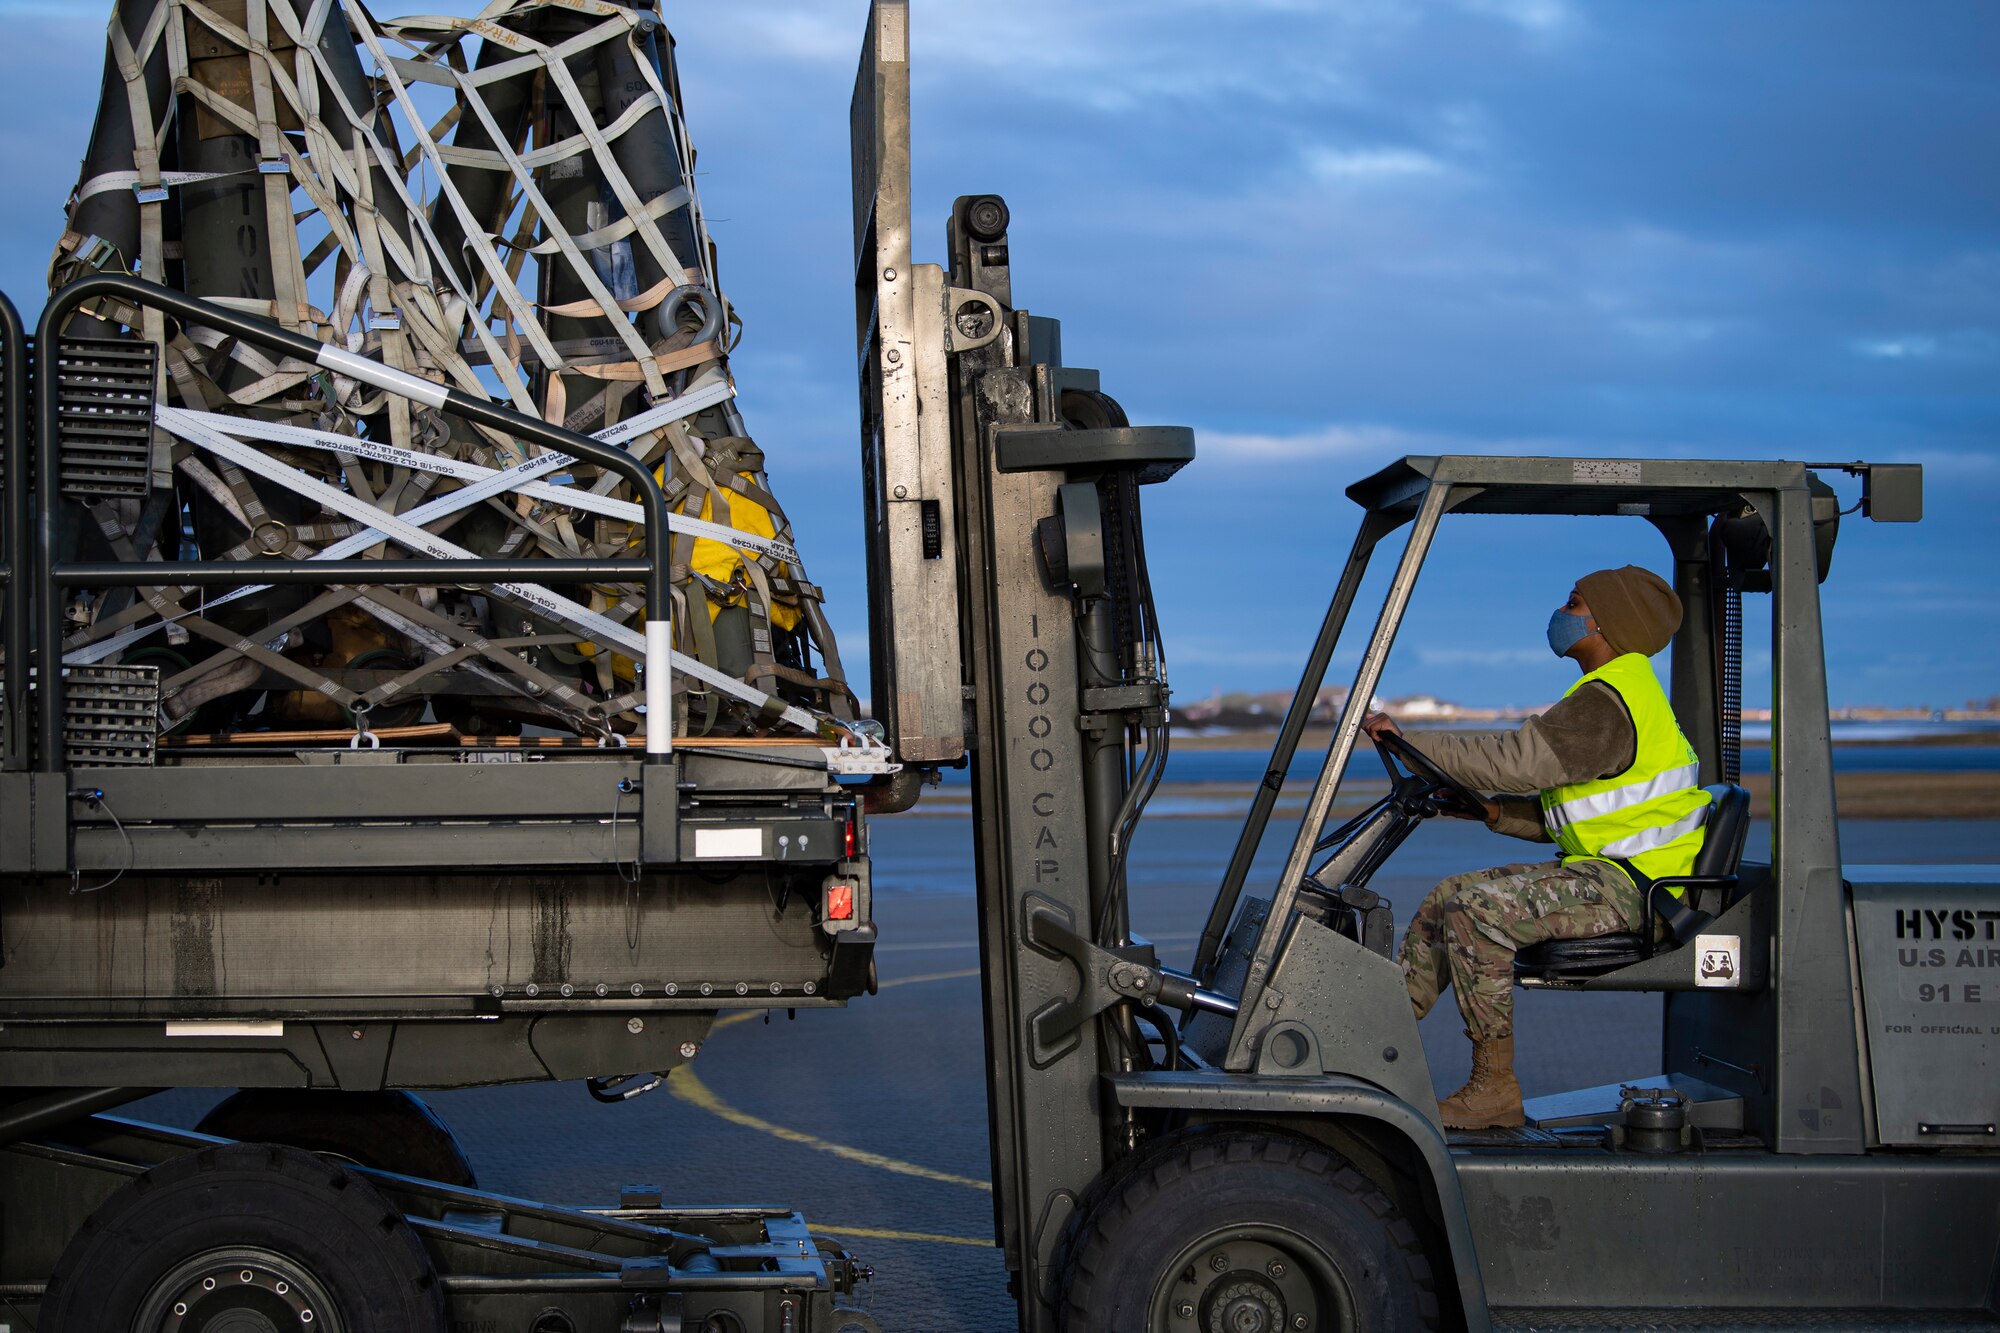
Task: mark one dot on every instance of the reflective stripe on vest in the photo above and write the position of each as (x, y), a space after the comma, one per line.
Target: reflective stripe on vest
(1651, 815)
(1632, 793)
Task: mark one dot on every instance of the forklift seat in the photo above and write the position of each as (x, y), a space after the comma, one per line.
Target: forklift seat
(1715, 867)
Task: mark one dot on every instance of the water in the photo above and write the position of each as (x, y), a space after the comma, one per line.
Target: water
(1913, 730)
(1881, 755)
(1178, 862)
(1238, 766)
(1566, 1039)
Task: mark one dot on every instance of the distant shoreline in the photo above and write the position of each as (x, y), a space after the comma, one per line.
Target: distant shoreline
(1318, 738)
(1901, 796)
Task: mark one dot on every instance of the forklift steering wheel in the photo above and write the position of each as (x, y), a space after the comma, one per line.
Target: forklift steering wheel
(1446, 796)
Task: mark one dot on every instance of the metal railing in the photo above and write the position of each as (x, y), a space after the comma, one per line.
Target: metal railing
(37, 561)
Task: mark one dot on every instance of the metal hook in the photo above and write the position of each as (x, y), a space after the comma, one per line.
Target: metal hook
(359, 710)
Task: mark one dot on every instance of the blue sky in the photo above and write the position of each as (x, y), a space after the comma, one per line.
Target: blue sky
(1325, 235)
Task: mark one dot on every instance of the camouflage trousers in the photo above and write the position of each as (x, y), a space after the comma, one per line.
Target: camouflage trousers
(1470, 926)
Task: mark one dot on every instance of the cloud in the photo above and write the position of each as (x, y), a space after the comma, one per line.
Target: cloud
(1369, 444)
(1896, 349)
(1951, 464)
(1539, 18)
(1903, 667)
(1231, 655)
(1327, 442)
(1480, 657)
(1672, 333)
(83, 15)
(1960, 345)
(1872, 598)
(807, 34)
(1043, 51)
(1364, 165)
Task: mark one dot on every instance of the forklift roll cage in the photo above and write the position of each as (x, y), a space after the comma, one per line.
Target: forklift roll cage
(1681, 498)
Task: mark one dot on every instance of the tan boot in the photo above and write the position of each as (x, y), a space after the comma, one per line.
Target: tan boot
(1491, 1098)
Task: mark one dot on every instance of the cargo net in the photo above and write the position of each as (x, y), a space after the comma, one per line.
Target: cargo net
(504, 204)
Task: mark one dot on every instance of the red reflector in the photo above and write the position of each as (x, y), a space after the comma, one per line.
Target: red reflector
(840, 903)
(848, 852)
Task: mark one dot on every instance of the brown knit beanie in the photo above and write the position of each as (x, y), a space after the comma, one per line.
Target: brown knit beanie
(1635, 609)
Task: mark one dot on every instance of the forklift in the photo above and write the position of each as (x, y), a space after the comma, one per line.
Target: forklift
(1253, 1145)
(1249, 1145)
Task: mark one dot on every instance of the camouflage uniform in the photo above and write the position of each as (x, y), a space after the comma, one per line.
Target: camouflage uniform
(1470, 926)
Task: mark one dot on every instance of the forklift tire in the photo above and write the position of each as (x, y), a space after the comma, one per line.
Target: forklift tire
(387, 1131)
(1238, 1230)
(245, 1236)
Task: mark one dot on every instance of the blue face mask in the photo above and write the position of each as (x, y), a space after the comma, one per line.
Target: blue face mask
(1566, 631)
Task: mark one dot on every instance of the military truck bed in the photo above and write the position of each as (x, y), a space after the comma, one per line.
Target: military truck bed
(361, 919)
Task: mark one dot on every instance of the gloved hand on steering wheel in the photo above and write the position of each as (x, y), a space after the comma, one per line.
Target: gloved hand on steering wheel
(1456, 799)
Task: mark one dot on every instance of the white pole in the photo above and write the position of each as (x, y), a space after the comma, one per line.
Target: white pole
(659, 687)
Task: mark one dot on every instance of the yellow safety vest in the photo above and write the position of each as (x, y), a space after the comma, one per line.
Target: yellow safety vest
(1653, 815)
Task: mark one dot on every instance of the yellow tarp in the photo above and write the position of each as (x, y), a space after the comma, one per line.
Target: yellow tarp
(719, 561)
(714, 560)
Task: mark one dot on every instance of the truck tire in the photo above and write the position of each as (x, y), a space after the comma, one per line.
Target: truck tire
(245, 1236)
(388, 1131)
(1236, 1231)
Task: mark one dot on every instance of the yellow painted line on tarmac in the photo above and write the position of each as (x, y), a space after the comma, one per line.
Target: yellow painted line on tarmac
(876, 1233)
(688, 1088)
(958, 975)
(684, 1085)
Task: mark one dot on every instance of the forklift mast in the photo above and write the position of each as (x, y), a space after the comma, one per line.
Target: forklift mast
(1013, 625)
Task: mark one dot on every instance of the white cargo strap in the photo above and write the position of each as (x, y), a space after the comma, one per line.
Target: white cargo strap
(575, 497)
(132, 180)
(673, 410)
(412, 317)
(1623, 798)
(406, 533)
(579, 265)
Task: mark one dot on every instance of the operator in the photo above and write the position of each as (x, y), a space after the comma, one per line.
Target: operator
(1617, 793)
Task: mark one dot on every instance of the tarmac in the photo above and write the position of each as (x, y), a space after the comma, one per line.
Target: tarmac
(872, 1120)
